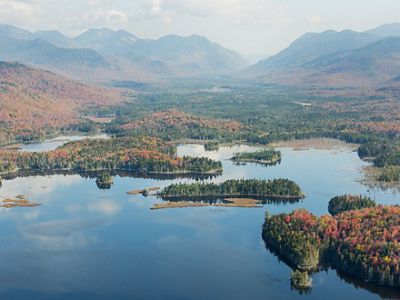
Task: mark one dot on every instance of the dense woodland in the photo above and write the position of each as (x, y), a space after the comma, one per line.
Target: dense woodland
(139, 155)
(279, 188)
(363, 243)
(267, 156)
(344, 203)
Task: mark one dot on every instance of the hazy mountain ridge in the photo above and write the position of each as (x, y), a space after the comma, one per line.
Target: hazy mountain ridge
(331, 58)
(107, 54)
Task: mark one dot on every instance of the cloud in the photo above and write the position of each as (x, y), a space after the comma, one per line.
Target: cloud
(238, 11)
(105, 18)
(314, 19)
(20, 11)
(106, 207)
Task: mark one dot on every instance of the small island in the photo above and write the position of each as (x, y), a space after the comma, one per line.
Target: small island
(362, 243)
(301, 282)
(211, 146)
(19, 202)
(344, 203)
(279, 189)
(263, 157)
(104, 181)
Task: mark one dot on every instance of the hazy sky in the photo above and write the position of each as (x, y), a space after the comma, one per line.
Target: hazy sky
(248, 26)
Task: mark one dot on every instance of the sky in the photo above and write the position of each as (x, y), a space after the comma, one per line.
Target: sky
(247, 26)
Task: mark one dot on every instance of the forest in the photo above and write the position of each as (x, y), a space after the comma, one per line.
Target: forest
(344, 203)
(276, 188)
(363, 243)
(133, 154)
(265, 157)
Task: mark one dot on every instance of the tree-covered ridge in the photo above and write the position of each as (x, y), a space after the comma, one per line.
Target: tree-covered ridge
(174, 124)
(138, 154)
(344, 203)
(363, 243)
(36, 101)
(266, 156)
(280, 188)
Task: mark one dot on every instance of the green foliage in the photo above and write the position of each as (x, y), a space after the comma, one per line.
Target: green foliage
(267, 156)
(390, 174)
(240, 188)
(344, 203)
(301, 282)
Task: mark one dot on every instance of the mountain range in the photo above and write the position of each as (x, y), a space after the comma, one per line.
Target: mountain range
(330, 58)
(335, 59)
(107, 54)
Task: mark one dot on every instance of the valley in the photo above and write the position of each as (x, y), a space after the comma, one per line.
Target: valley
(139, 156)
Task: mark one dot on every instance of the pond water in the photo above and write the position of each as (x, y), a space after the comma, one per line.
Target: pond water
(86, 243)
(52, 144)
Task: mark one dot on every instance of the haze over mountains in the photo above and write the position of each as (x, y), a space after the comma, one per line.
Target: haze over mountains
(113, 55)
(338, 59)
(332, 58)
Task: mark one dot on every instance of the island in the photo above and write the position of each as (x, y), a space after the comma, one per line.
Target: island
(104, 181)
(344, 203)
(276, 189)
(264, 157)
(362, 243)
(211, 146)
(140, 155)
(19, 202)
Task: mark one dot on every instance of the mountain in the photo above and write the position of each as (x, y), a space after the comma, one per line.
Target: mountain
(32, 98)
(41, 53)
(189, 54)
(106, 41)
(56, 38)
(374, 63)
(311, 46)
(386, 30)
(108, 54)
(11, 31)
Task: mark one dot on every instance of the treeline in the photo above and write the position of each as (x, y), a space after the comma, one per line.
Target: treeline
(390, 174)
(362, 243)
(280, 188)
(344, 203)
(267, 156)
(139, 155)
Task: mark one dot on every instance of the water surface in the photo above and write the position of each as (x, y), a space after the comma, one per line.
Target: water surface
(86, 243)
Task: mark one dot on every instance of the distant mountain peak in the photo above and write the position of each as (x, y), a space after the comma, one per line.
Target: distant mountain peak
(386, 30)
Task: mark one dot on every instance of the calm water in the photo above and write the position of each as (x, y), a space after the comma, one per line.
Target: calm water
(86, 243)
(52, 144)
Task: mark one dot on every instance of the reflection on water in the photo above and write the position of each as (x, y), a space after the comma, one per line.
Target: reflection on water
(86, 243)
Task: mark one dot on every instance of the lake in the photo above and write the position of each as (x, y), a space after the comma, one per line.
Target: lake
(86, 243)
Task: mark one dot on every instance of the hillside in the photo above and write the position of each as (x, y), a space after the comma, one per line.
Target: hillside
(386, 30)
(189, 54)
(311, 46)
(174, 123)
(372, 64)
(31, 99)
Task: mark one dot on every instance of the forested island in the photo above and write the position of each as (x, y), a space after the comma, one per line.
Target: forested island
(344, 203)
(362, 243)
(104, 181)
(249, 188)
(145, 155)
(264, 157)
